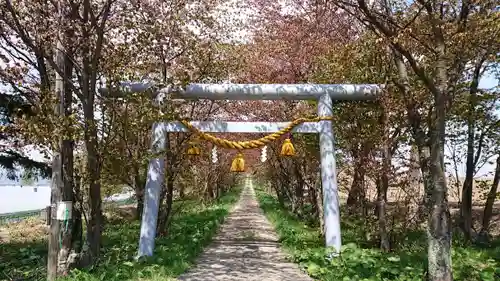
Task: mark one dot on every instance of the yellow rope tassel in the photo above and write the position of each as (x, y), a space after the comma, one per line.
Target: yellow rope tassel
(193, 149)
(287, 148)
(238, 164)
(251, 144)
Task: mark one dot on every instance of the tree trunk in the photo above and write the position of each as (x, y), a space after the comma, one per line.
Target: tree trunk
(218, 182)
(182, 186)
(89, 55)
(439, 221)
(381, 212)
(357, 191)
(78, 258)
(64, 263)
(165, 210)
(431, 160)
(299, 188)
(466, 204)
(94, 229)
(210, 183)
(139, 187)
(60, 238)
(75, 258)
(278, 187)
(439, 228)
(77, 231)
(139, 205)
(319, 200)
(414, 194)
(415, 180)
(163, 220)
(95, 221)
(55, 196)
(415, 120)
(490, 201)
(312, 196)
(383, 186)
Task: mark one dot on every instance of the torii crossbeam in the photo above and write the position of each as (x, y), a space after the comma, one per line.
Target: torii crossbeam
(323, 93)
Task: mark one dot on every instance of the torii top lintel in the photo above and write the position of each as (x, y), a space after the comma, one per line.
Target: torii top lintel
(261, 91)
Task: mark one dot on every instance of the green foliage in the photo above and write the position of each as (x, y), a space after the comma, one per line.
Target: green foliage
(11, 161)
(23, 260)
(360, 262)
(191, 230)
(13, 106)
(28, 178)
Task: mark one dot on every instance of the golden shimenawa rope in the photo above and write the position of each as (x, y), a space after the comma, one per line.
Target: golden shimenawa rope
(258, 143)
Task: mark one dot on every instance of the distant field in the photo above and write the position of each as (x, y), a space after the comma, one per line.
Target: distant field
(15, 199)
(18, 203)
(21, 199)
(19, 216)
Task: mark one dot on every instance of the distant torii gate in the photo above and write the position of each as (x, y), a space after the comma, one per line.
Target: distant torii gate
(323, 93)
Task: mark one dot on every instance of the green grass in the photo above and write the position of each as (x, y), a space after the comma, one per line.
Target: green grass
(361, 261)
(191, 230)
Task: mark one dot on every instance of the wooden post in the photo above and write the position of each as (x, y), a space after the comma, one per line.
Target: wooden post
(62, 167)
(57, 177)
(48, 217)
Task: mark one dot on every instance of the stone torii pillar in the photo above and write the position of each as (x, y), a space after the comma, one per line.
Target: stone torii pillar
(323, 93)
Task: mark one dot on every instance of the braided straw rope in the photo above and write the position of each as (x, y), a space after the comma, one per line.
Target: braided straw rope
(258, 143)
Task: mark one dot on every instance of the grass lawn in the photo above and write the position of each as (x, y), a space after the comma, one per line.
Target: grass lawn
(191, 230)
(361, 261)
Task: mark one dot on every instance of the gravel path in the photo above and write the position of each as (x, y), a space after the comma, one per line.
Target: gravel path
(246, 248)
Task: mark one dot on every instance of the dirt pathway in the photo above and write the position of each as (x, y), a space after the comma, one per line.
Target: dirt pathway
(246, 248)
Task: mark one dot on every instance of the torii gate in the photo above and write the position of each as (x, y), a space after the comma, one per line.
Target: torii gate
(323, 93)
